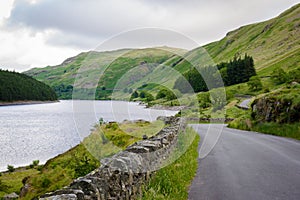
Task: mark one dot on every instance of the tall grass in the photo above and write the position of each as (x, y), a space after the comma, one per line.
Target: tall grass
(173, 181)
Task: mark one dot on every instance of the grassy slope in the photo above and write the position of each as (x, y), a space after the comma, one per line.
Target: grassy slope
(272, 43)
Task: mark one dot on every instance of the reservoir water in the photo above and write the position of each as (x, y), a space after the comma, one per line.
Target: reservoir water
(42, 131)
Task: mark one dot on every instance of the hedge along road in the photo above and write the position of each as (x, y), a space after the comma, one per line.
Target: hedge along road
(247, 165)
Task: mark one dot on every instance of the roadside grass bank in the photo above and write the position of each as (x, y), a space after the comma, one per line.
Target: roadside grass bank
(173, 181)
(272, 128)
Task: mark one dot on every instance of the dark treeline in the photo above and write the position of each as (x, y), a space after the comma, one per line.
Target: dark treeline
(238, 70)
(63, 91)
(20, 87)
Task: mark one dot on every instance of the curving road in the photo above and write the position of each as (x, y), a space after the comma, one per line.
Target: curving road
(247, 165)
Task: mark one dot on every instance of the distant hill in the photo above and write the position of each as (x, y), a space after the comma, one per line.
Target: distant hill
(20, 87)
(273, 44)
(113, 65)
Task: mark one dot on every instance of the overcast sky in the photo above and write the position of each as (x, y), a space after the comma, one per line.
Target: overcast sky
(37, 33)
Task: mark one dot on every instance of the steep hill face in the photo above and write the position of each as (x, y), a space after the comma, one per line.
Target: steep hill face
(273, 43)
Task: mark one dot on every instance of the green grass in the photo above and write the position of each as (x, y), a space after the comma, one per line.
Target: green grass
(272, 128)
(284, 130)
(173, 181)
(12, 182)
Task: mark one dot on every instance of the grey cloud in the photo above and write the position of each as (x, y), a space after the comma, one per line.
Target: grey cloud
(84, 22)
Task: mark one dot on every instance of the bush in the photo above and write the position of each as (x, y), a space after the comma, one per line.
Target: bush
(147, 96)
(134, 95)
(279, 76)
(45, 182)
(10, 168)
(254, 83)
(35, 162)
(164, 93)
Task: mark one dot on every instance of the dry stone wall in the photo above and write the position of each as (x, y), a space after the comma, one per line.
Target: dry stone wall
(123, 175)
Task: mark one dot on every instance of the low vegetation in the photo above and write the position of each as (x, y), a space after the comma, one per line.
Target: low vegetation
(173, 181)
(275, 113)
(12, 182)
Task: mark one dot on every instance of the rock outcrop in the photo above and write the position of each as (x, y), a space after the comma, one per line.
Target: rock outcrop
(275, 109)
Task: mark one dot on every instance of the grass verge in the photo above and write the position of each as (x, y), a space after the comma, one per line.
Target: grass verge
(272, 128)
(173, 181)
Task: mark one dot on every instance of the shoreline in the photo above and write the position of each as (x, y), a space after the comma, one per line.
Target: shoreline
(16, 103)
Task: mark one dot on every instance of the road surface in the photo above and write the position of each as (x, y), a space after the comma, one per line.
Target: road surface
(247, 165)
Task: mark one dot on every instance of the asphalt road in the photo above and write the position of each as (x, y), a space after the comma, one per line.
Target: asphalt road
(247, 165)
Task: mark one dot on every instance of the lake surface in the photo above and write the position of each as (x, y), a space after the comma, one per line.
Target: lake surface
(42, 131)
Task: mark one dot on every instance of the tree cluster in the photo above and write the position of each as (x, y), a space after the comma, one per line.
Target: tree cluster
(143, 95)
(200, 79)
(19, 87)
(63, 91)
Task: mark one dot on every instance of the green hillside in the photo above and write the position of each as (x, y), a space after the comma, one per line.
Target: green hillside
(20, 87)
(110, 66)
(273, 43)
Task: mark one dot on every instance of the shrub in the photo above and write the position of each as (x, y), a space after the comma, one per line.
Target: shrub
(35, 163)
(254, 83)
(10, 168)
(279, 76)
(45, 182)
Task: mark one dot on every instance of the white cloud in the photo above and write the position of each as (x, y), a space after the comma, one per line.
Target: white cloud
(22, 49)
(45, 32)
(5, 9)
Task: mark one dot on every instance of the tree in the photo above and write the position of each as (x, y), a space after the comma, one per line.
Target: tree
(134, 95)
(10, 168)
(254, 83)
(165, 93)
(149, 97)
(143, 94)
(238, 70)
